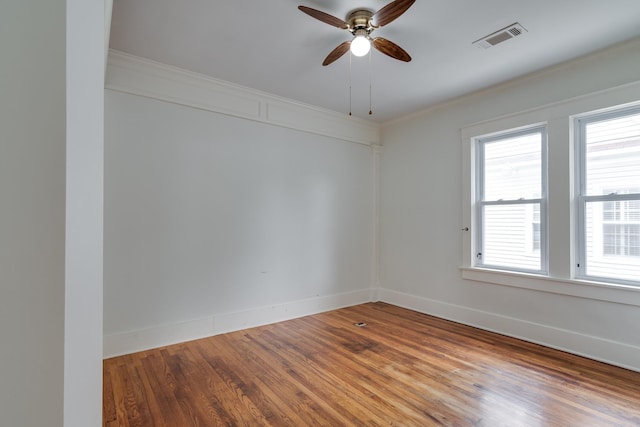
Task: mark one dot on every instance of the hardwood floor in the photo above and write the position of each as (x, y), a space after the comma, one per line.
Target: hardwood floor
(404, 368)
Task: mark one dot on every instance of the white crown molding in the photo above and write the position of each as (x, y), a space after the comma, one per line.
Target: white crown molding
(138, 76)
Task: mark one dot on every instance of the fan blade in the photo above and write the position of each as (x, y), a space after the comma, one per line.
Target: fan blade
(391, 12)
(324, 17)
(391, 49)
(337, 53)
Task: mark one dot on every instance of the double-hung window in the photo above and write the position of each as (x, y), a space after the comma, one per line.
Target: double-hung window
(511, 200)
(551, 198)
(608, 236)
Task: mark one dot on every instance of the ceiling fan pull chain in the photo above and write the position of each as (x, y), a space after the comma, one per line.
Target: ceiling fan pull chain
(370, 84)
(349, 83)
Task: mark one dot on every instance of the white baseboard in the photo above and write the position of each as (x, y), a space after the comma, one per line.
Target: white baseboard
(159, 336)
(612, 352)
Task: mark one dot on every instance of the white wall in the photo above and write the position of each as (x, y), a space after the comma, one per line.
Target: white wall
(214, 222)
(221, 212)
(44, 321)
(32, 217)
(421, 219)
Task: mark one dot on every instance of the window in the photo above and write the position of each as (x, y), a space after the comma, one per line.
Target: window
(511, 200)
(560, 213)
(609, 195)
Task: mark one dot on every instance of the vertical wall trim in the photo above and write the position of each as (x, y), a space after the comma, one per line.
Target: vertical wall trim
(108, 11)
(376, 151)
(83, 304)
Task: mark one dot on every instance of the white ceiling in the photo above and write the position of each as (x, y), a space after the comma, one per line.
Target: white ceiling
(273, 47)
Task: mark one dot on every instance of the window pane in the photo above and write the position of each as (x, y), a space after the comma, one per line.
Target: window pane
(613, 155)
(535, 244)
(512, 167)
(508, 238)
(535, 223)
(613, 240)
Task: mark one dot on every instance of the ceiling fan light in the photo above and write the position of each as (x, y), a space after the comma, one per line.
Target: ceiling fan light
(360, 45)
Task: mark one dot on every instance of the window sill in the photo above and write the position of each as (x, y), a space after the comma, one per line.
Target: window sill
(610, 292)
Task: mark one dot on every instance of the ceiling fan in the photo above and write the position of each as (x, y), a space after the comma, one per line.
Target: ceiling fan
(361, 23)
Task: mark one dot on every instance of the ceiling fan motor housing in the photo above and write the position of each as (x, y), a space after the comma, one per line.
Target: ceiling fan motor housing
(359, 22)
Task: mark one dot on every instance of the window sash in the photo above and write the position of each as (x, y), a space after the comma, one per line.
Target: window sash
(509, 246)
(615, 215)
(541, 249)
(594, 251)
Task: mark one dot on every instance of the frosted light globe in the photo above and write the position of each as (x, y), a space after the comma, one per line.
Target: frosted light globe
(360, 46)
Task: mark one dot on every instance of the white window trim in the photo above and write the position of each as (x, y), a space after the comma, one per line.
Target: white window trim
(561, 277)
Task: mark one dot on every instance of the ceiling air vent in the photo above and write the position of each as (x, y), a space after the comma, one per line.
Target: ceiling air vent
(499, 36)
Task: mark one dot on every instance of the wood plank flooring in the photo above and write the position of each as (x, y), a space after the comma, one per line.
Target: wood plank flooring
(403, 369)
